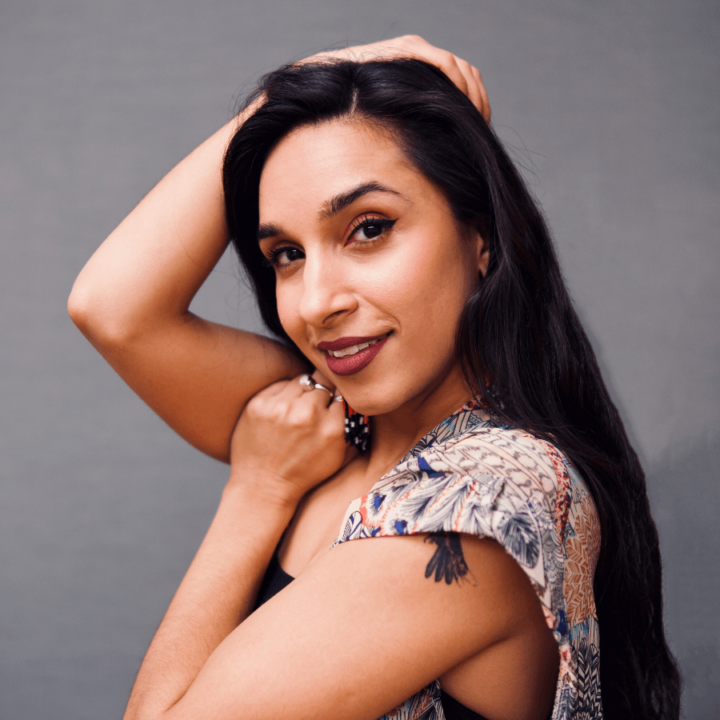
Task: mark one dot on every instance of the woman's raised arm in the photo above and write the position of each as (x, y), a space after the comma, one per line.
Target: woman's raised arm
(132, 298)
(132, 302)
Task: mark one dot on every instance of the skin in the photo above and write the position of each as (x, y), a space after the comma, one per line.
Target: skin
(290, 468)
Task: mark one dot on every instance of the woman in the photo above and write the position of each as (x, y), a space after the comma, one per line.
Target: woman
(394, 248)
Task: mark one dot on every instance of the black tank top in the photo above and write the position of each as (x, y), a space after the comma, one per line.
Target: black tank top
(276, 579)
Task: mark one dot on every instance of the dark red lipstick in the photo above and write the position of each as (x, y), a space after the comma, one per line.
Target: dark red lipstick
(350, 364)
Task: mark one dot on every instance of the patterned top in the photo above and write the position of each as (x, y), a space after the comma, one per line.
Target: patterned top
(474, 475)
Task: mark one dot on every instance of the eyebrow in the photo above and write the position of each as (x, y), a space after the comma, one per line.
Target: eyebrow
(341, 201)
(267, 230)
(332, 206)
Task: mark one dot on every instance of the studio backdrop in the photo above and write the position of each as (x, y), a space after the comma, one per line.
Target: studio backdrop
(611, 108)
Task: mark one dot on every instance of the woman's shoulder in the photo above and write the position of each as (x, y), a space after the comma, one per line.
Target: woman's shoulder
(475, 474)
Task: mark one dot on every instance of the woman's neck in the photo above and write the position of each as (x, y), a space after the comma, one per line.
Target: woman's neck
(395, 434)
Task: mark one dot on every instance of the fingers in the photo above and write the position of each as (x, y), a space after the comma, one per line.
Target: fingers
(294, 392)
(288, 392)
(464, 75)
(337, 410)
(273, 390)
(320, 378)
(484, 106)
(473, 91)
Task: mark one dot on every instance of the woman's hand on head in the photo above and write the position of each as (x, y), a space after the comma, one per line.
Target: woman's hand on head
(462, 73)
(289, 440)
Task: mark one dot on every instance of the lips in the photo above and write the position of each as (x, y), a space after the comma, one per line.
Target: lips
(353, 356)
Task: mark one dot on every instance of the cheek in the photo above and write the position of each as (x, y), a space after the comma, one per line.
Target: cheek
(427, 287)
(287, 305)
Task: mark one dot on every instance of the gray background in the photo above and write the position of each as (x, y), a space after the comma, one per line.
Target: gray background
(611, 107)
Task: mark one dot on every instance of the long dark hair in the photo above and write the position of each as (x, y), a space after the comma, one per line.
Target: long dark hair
(521, 343)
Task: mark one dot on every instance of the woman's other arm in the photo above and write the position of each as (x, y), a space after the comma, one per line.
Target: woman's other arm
(287, 441)
(132, 302)
(214, 597)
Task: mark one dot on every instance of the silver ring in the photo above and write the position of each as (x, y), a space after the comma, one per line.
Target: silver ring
(308, 384)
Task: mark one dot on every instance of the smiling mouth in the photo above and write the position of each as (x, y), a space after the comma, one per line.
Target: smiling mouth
(355, 349)
(349, 355)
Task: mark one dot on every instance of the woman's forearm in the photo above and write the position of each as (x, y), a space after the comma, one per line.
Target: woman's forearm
(216, 594)
(131, 301)
(287, 442)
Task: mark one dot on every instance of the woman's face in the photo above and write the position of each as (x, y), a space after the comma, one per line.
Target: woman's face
(366, 250)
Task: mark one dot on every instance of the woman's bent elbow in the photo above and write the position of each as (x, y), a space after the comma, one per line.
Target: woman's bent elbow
(93, 315)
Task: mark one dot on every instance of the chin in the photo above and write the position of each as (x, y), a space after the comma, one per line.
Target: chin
(370, 410)
(377, 401)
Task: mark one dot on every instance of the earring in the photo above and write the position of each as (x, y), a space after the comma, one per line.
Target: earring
(357, 429)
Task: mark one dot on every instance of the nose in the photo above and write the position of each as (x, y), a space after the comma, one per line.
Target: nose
(326, 296)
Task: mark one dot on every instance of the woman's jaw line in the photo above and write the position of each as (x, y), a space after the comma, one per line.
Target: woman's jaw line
(413, 419)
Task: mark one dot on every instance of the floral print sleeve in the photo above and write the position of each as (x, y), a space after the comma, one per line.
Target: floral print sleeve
(473, 475)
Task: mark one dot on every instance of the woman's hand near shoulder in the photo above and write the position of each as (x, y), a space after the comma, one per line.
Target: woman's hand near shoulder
(289, 440)
(132, 302)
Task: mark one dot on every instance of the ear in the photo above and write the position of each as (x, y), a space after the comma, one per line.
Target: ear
(480, 233)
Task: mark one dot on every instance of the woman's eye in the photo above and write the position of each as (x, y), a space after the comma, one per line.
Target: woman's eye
(284, 256)
(371, 228)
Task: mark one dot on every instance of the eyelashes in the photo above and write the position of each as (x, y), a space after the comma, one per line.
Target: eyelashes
(373, 228)
(370, 224)
(273, 259)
